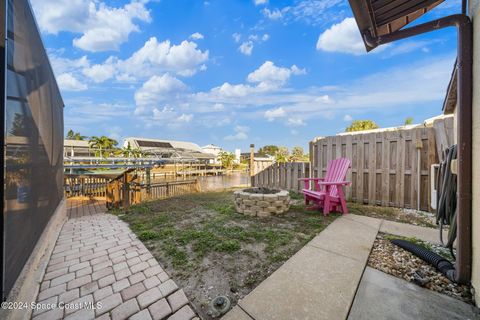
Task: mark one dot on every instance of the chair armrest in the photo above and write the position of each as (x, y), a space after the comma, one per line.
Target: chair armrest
(342, 183)
(306, 182)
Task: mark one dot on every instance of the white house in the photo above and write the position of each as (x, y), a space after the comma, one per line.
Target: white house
(214, 150)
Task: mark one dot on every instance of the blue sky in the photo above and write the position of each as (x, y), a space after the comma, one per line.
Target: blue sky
(235, 72)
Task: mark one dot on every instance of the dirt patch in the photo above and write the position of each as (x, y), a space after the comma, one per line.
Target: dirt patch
(393, 260)
(211, 250)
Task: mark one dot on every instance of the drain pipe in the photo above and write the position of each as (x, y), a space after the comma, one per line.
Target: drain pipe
(463, 24)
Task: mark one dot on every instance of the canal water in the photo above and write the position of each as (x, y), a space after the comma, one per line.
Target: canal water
(216, 183)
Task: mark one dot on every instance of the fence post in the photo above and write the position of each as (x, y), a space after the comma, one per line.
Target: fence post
(126, 191)
(149, 182)
(252, 162)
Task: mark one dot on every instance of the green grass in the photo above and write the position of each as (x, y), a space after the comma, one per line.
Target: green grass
(148, 235)
(187, 229)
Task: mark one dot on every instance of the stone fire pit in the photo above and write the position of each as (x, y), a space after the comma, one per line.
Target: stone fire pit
(261, 202)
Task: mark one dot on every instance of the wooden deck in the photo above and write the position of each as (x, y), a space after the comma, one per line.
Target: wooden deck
(84, 206)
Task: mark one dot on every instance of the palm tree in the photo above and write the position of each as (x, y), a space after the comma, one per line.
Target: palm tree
(128, 152)
(226, 159)
(72, 135)
(282, 155)
(102, 143)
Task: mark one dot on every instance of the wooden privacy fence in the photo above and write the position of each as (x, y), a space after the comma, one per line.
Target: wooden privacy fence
(280, 175)
(75, 185)
(390, 168)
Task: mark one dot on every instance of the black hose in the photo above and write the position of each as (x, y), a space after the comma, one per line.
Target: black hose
(442, 264)
(447, 199)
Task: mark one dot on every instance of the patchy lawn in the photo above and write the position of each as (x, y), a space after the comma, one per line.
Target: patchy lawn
(419, 218)
(414, 217)
(211, 250)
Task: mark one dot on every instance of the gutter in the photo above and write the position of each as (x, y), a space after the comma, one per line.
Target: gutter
(463, 24)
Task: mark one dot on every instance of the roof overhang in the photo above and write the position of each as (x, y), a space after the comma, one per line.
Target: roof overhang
(450, 102)
(376, 18)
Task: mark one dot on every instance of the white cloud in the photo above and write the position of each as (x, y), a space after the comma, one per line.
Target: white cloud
(246, 48)
(183, 59)
(218, 107)
(273, 114)
(310, 12)
(233, 90)
(240, 133)
(62, 15)
(417, 84)
(260, 2)
(165, 114)
(185, 117)
(236, 37)
(197, 36)
(67, 82)
(347, 118)
(154, 57)
(407, 47)
(80, 112)
(101, 72)
(295, 122)
(62, 65)
(269, 76)
(155, 90)
(272, 14)
(342, 37)
(101, 27)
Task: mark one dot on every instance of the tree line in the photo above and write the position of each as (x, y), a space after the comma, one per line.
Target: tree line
(105, 146)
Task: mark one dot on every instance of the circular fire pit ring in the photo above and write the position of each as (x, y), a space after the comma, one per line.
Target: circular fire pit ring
(261, 202)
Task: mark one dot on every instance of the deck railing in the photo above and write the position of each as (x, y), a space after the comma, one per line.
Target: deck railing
(127, 190)
(75, 186)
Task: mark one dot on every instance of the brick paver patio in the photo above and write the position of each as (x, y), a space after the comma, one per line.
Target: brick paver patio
(99, 262)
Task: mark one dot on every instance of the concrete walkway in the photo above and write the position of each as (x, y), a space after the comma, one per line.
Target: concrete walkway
(100, 270)
(396, 299)
(321, 280)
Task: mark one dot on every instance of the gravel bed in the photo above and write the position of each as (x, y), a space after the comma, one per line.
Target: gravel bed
(393, 260)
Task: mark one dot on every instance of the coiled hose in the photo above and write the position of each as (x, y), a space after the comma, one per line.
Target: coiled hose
(446, 215)
(447, 200)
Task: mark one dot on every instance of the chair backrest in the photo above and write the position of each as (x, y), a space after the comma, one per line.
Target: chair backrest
(336, 172)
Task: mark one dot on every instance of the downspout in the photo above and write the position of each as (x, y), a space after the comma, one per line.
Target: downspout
(463, 24)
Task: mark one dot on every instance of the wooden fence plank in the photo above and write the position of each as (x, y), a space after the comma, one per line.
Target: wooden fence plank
(384, 168)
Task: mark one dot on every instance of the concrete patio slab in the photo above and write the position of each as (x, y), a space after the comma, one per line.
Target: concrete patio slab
(349, 236)
(409, 230)
(382, 296)
(319, 281)
(313, 284)
(236, 314)
(368, 221)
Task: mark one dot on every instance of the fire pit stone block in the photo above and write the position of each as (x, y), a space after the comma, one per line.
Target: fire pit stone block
(261, 202)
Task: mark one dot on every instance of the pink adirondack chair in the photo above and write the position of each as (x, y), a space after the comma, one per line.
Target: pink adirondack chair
(327, 192)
